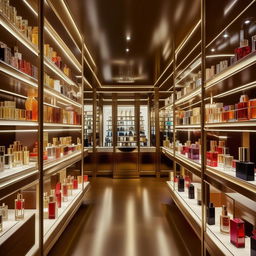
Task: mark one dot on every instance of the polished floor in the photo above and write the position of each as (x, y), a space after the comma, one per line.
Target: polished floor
(127, 218)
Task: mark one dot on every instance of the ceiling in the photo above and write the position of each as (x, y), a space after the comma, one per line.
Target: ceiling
(151, 26)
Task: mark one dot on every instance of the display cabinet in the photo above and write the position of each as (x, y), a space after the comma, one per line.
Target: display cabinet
(58, 112)
(214, 127)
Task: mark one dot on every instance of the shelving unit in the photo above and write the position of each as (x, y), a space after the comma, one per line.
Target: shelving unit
(217, 117)
(20, 120)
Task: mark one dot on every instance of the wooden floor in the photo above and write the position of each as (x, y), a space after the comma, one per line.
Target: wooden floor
(127, 218)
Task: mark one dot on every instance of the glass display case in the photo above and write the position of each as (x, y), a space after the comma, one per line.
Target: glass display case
(214, 135)
(22, 111)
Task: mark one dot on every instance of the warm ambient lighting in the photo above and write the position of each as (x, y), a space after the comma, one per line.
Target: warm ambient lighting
(128, 38)
(247, 22)
(127, 49)
(212, 50)
(225, 35)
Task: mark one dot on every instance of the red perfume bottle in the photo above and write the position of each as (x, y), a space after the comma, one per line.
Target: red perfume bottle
(52, 209)
(58, 187)
(75, 183)
(242, 108)
(244, 48)
(212, 155)
(85, 178)
(58, 198)
(187, 181)
(237, 233)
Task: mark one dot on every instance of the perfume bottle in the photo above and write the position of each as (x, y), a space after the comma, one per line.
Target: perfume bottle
(19, 207)
(199, 196)
(211, 214)
(191, 191)
(253, 243)
(187, 181)
(65, 191)
(224, 220)
(70, 186)
(212, 155)
(181, 183)
(228, 161)
(242, 108)
(52, 209)
(80, 179)
(85, 178)
(252, 109)
(245, 168)
(4, 210)
(31, 104)
(244, 48)
(46, 204)
(58, 198)
(237, 233)
(75, 183)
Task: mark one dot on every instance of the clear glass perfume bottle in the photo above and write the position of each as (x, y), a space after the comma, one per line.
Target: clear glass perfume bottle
(65, 191)
(4, 211)
(224, 220)
(19, 207)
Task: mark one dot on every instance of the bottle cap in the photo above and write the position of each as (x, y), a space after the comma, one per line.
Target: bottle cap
(224, 210)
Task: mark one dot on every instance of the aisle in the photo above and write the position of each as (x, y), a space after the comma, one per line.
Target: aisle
(127, 218)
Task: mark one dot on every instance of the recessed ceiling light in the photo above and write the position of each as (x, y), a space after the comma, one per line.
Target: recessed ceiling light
(225, 35)
(128, 38)
(212, 50)
(247, 22)
(127, 49)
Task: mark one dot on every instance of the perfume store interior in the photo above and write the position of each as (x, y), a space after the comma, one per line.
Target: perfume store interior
(127, 127)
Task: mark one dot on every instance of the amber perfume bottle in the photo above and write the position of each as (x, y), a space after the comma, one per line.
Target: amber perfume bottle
(19, 207)
(237, 233)
(80, 179)
(245, 168)
(224, 220)
(242, 108)
(253, 243)
(211, 214)
(191, 191)
(31, 104)
(252, 109)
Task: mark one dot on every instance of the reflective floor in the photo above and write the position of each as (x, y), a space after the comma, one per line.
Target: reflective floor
(128, 218)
